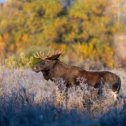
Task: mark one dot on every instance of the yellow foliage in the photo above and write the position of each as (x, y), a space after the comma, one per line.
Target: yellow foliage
(92, 51)
(2, 45)
(54, 7)
(21, 61)
(83, 31)
(11, 62)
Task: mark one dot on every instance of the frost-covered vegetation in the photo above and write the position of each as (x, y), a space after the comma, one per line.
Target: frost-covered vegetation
(27, 99)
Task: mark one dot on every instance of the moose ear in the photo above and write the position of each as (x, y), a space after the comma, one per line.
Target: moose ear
(54, 57)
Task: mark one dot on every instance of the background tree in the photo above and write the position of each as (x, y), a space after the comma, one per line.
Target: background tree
(82, 28)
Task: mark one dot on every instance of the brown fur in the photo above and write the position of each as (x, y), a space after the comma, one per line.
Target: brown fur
(53, 68)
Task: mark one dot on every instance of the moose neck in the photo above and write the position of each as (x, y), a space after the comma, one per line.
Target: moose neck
(58, 70)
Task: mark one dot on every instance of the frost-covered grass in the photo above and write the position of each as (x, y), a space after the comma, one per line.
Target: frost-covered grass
(26, 99)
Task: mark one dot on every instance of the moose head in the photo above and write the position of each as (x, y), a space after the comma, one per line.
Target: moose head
(45, 63)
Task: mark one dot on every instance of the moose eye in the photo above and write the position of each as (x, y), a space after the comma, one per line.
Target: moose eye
(42, 63)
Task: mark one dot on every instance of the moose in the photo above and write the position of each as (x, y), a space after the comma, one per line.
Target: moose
(53, 68)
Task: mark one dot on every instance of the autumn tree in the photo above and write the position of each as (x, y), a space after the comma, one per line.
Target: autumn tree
(29, 25)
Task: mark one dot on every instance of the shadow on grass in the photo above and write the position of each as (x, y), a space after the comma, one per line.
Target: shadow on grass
(21, 110)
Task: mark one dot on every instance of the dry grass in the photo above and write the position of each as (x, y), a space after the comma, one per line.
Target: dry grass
(25, 96)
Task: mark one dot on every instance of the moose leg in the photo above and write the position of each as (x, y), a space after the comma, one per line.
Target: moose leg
(100, 90)
(99, 86)
(66, 97)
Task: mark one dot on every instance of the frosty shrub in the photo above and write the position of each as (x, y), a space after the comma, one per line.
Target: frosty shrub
(29, 100)
(87, 98)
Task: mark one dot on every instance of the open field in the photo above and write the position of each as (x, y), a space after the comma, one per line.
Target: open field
(90, 34)
(27, 99)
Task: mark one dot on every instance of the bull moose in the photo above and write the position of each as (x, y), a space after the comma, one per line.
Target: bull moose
(52, 67)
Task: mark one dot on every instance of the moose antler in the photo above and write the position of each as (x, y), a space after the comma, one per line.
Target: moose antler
(58, 52)
(55, 55)
(40, 55)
